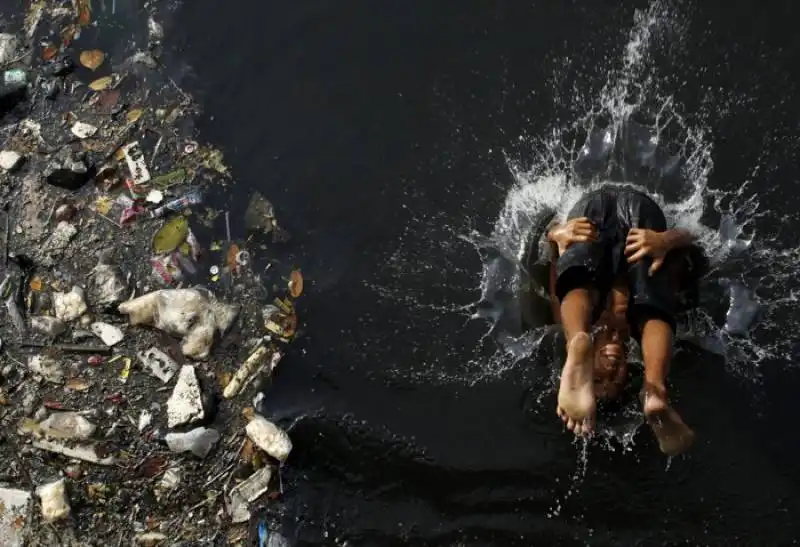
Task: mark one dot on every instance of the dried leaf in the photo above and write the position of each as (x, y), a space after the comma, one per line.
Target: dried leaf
(78, 384)
(296, 284)
(101, 83)
(134, 115)
(230, 259)
(248, 451)
(49, 52)
(36, 284)
(152, 466)
(225, 379)
(249, 413)
(92, 58)
(171, 235)
(109, 98)
(84, 12)
(68, 34)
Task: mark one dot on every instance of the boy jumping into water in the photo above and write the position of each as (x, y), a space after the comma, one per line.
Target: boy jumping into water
(618, 268)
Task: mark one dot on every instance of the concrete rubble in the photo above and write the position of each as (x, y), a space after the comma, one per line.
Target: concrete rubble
(139, 331)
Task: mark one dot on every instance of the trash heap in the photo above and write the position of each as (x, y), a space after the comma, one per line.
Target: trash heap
(135, 340)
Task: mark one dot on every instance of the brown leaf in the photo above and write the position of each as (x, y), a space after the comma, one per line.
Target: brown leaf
(48, 52)
(248, 451)
(92, 58)
(296, 284)
(109, 98)
(84, 13)
(231, 258)
(101, 83)
(152, 466)
(78, 384)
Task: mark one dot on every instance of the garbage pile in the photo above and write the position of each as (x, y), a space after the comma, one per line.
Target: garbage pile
(134, 341)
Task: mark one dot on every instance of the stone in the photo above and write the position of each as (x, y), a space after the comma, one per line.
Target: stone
(58, 241)
(185, 406)
(69, 170)
(10, 160)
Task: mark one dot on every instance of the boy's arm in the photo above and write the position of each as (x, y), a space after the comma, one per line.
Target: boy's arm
(677, 238)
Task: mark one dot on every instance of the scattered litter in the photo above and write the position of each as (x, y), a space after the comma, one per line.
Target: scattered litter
(192, 198)
(127, 152)
(47, 325)
(134, 157)
(198, 441)
(14, 516)
(109, 334)
(55, 505)
(46, 367)
(160, 364)
(67, 425)
(68, 306)
(269, 438)
(106, 286)
(83, 130)
(194, 314)
(248, 491)
(185, 406)
(87, 453)
(9, 160)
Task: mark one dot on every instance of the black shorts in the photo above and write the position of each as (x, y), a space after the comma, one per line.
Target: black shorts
(614, 210)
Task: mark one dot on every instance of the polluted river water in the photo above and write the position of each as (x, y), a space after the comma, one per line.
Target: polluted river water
(409, 148)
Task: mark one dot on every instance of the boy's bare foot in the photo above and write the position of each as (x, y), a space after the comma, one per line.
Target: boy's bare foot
(576, 404)
(674, 436)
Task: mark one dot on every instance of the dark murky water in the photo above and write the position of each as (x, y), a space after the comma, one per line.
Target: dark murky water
(380, 130)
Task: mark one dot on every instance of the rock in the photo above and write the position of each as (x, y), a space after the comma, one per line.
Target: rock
(46, 367)
(10, 160)
(55, 505)
(8, 47)
(186, 403)
(69, 306)
(83, 130)
(69, 170)
(65, 212)
(16, 506)
(49, 326)
(194, 314)
(58, 241)
(67, 425)
(109, 334)
(198, 441)
(160, 364)
(269, 438)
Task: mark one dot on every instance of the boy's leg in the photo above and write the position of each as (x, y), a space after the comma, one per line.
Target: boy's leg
(651, 315)
(576, 402)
